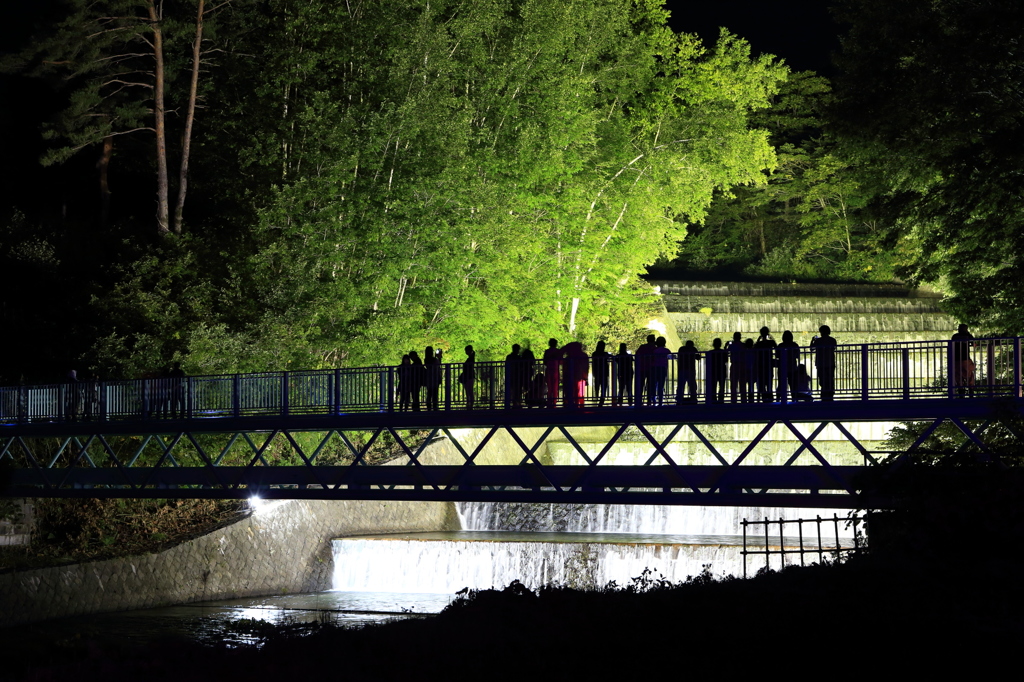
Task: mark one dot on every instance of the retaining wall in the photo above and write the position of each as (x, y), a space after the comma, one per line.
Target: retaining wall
(282, 547)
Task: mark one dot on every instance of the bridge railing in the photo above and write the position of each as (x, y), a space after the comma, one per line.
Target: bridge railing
(879, 371)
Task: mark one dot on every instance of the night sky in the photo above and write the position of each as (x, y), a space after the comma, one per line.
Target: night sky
(801, 33)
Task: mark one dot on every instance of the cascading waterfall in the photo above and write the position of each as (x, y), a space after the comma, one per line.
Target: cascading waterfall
(422, 564)
(630, 518)
(587, 546)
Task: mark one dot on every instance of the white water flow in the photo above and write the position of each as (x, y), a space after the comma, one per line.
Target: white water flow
(581, 546)
(644, 519)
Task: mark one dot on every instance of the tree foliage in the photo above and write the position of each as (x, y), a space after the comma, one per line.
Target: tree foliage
(370, 177)
(811, 218)
(931, 96)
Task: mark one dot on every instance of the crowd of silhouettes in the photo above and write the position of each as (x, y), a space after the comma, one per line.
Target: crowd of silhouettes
(740, 371)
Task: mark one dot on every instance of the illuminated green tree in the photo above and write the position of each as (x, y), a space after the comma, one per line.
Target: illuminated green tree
(482, 172)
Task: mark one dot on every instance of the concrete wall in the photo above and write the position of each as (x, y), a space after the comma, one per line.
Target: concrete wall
(283, 547)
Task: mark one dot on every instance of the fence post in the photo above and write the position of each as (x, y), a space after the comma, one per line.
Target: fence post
(1016, 368)
(784, 376)
(284, 394)
(382, 385)
(864, 379)
(905, 352)
(990, 363)
(146, 386)
(236, 398)
(447, 387)
(950, 388)
(391, 389)
(337, 392)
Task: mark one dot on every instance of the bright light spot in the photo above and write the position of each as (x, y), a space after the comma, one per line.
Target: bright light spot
(657, 326)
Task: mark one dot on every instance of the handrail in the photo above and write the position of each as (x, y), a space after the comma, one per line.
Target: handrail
(988, 367)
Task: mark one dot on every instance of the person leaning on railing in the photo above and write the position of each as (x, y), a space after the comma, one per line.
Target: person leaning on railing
(824, 349)
(963, 365)
(789, 357)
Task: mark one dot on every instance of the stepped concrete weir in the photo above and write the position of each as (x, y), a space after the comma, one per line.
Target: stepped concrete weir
(857, 313)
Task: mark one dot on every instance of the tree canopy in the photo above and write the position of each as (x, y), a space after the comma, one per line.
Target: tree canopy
(371, 177)
(931, 97)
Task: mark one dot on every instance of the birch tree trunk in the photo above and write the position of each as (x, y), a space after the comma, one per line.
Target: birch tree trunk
(186, 142)
(158, 114)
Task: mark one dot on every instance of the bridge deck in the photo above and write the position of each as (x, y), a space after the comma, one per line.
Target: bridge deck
(158, 437)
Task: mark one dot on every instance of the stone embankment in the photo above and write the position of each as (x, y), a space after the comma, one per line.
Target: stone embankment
(282, 547)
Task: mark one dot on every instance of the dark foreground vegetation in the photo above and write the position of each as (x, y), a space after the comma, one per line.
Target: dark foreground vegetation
(940, 586)
(866, 615)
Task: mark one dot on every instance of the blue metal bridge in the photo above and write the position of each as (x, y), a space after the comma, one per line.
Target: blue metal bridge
(352, 433)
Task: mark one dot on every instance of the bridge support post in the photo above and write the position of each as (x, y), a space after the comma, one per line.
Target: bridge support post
(236, 398)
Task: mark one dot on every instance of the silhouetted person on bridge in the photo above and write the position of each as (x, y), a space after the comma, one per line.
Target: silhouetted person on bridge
(432, 369)
(72, 396)
(686, 377)
(600, 359)
(658, 372)
(575, 370)
(824, 349)
(642, 362)
(418, 375)
(963, 365)
(92, 398)
(789, 357)
(468, 376)
(406, 380)
(529, 365)
(177, 391)
(552, 370)
(514, 377)
(623, 362)
(736, 372)
(764, 362)
(716, 369)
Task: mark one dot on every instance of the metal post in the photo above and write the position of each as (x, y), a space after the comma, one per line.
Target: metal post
(950, 388)
(391, 389)
(864, 381)
(447, 387)
(990, 374)
(800, 529)
(337, 392)
(767, 548)
(145, 398)
(1016, 368)
(284, 394)
(236, 398)
(905, 353)
(821, 556)
(382, 386)
(744, 548)
(784, 376)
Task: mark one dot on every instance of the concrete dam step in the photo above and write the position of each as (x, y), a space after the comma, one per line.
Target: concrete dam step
(773, 290)
(675, 303)
(749, 323)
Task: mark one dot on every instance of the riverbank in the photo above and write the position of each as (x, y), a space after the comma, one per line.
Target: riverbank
(842, 620)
